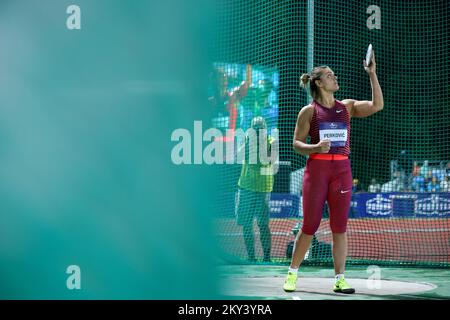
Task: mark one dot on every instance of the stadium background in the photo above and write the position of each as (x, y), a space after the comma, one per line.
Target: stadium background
(410, 48)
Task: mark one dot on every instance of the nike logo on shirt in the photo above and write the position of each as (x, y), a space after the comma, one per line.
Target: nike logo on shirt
(345, 191)
(339, 111)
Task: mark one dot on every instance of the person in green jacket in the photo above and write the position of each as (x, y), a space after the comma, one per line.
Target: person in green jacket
(254, 188)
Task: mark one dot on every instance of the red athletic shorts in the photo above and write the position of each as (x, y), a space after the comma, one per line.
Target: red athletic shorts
(327, 178)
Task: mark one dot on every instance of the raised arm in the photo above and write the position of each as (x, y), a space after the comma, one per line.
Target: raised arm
(248, 73)
(361, 109)
(241, 91)
(301, 133)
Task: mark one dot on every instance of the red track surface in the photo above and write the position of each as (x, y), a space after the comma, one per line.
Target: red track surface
(397, 239)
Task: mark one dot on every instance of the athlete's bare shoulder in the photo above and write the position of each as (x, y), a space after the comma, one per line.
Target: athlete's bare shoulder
(348, 103)
(303, 123)
(306, 112)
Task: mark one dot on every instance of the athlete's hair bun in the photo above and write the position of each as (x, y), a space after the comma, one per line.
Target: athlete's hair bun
(304, 79)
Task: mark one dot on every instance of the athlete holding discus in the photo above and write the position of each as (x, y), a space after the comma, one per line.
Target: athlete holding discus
(328, 175)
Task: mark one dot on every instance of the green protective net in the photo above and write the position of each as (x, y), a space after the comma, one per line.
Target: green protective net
(400, 156)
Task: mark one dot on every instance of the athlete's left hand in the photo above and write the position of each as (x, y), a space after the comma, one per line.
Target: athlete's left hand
(373, 65)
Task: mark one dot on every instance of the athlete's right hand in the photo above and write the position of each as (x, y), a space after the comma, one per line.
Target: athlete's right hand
(323, 146)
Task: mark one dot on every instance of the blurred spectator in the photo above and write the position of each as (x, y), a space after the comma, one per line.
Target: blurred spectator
(418, 184)
(297, 181)
(431, 177)
(434, 185)
(296, 186)
(445, 184)
(405, 163)
(416, 169)
(356, 186)
(224, 101)
(424, 169)
(374, 186)
(437, 173)
(257, 102)
(394, 185)
(428, 177)
(255, 185)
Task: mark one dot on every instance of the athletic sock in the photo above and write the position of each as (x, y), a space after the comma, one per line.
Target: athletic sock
(338, 277)
(292, 270)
